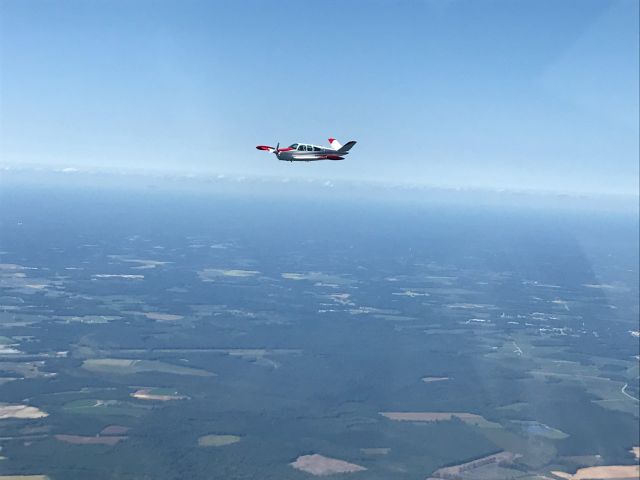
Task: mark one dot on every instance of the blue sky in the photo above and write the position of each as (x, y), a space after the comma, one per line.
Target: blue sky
(520, 94)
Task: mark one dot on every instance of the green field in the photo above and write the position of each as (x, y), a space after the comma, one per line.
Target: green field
(117, 366)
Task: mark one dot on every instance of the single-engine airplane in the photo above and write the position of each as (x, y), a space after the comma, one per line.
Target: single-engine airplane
(303, 152)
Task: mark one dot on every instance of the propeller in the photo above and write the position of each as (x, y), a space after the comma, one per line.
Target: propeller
(270, 149)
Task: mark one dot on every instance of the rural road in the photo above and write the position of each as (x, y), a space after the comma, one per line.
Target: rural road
(625, 393)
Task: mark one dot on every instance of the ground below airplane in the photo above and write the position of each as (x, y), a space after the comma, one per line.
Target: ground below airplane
(303, 152)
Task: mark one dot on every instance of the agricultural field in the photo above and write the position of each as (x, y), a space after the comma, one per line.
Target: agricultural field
(365, 343)
(213, 440)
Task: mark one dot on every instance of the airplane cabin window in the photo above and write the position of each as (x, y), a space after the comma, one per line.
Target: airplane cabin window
(294, 146)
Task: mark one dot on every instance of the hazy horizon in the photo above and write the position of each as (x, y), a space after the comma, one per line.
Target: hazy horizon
(178, 184)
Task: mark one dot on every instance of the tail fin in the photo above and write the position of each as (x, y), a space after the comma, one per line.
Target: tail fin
(347, 146)
(335, 144)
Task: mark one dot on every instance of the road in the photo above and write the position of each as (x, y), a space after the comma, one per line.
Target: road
(625, 393)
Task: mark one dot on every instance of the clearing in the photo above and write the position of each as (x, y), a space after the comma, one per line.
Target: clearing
(456, 470)
(163, 317)
(160, 394)
(20, 411)
(375, 451)
(469, 418)
(87, 440)
(217, 440)
(320, 465)
(24, 477)
(104, 407)
(114, 430)
(211, 274)
(434, 379)
(602, 473)
(123, 366)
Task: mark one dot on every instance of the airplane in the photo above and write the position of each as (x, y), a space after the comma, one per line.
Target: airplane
(303, 152)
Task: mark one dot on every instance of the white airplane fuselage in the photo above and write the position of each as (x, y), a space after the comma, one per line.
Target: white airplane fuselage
(304, 152)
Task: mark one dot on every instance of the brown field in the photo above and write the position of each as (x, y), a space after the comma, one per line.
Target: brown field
(20, 411)
(320, 465)
(85, 440)
(456, 470)
(602, 473)
(470, 418)
(114, 430)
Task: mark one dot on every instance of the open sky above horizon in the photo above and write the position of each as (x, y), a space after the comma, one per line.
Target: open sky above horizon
(533, 94)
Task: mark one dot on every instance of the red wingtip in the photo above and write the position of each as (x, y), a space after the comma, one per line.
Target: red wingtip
(331, 140)
(264, 147)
